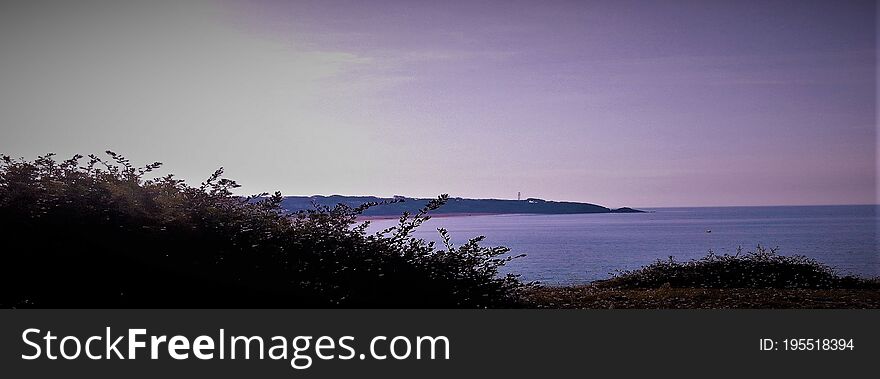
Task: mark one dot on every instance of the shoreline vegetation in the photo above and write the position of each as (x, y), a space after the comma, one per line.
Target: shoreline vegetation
(101, 233)
(759, 279)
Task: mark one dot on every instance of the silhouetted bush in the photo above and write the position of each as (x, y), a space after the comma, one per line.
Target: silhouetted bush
(104, 235)
(763, 268)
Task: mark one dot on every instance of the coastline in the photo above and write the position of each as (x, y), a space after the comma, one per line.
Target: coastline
(439, 215)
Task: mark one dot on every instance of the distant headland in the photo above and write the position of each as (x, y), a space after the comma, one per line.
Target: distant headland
(396, 205)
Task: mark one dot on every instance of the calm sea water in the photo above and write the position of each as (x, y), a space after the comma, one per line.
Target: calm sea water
(568, 249)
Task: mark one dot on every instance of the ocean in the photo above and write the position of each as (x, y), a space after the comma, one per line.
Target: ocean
(579, 248)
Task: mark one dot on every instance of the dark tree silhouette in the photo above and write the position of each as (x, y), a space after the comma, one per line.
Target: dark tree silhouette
(104, 233)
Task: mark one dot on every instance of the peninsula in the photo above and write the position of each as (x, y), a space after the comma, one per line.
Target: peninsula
(396, 205)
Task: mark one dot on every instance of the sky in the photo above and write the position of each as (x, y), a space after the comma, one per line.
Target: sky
(619, 103)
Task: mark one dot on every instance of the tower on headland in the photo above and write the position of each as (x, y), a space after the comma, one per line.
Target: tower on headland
(519, 195)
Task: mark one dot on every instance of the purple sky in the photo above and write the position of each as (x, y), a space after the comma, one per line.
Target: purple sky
(641, 103)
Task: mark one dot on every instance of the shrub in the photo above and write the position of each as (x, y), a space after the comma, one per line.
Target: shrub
(763, 268)
(103, 234)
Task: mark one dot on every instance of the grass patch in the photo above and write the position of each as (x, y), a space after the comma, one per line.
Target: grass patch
(763, 268)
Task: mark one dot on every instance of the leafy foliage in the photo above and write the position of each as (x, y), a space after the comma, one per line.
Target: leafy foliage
(100, 233)
(763, 268)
